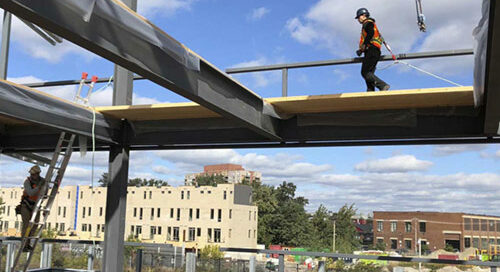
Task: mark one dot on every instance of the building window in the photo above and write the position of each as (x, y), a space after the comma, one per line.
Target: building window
(380, 226)
(229, 233)
(90, 211)
(172, 213)
(198, 232)
(498, 226)
(158, 212)
(394, 243)
(249, 231)
(254, 215)
(132, 230)
(225, 195)
(81, 195)
(380, 241)
(145, 194)
(230, 213)
(394, 226)
(254, 233)
(408, 226)
(178, 214)
(209, 192)
(484, 243)
(484, 225)
(135, 212)
(140, 214)
(152, 213)
(188, 195)
(83, 213)
(475, 242)
(211, 213)
(249, 215)
(159, 230)
(192, 233)
(217, 235)
(176, 234)
(467, 224)
(190, 215)
(64, 212)
(219, 215)
(408, 244)
(491, 224)
(69, 195)
(152, 232)
(475, 224)
(59, 210)
(100, 211)
(169, 233)
(467, 242)
(182, 194)
(209, 232)
(422, 226)
(84, 227)
(197, 213)
(150, 194)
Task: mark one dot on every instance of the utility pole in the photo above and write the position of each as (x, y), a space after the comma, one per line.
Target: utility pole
(334, 232)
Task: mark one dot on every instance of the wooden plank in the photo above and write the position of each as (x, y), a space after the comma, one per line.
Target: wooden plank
(402, 99)
(167, 111)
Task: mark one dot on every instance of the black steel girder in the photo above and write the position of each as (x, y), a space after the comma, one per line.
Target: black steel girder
(110, 30)
(36, 108)
(492, 80)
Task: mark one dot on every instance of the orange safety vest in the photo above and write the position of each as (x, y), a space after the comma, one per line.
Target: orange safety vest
(377, 39)
(35, 197)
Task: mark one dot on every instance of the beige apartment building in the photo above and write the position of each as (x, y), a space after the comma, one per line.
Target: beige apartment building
(183, 216)
(232, 173)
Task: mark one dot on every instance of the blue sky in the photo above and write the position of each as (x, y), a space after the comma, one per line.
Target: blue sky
(245, 33)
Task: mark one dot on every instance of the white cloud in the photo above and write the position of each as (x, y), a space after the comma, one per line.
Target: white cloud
(151, 8)
(260, 79)
(258, 13)
(445, 150)
(35, 46)
(396, 164)
(160, 169)
(340, 75)
(330, 24)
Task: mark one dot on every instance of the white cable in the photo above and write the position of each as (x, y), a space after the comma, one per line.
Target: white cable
(429, 73)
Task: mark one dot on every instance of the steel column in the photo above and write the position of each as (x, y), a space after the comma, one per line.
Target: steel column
(284, 87)
(90, 258)
(492, 81)
(138, 260)
(4, 53)
(124, 79)
(281, 267)
(116, 209)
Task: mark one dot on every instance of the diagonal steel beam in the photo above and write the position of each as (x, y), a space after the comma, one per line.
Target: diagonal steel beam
(35, 107)
(111, 30)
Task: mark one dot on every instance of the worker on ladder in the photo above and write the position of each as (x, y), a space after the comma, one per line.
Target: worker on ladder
(34, 187)
(370, 44)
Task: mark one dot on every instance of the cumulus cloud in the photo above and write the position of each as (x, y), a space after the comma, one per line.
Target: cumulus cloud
(274, 168)
(446, 150)
(150, 8)
(258, 13)
(329, 25)
(395, 164)
(460, 192)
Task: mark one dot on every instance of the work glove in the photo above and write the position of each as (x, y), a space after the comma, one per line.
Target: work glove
(359, 52)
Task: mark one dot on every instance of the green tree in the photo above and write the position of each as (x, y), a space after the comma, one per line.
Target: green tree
(210, 180)
(322, 232)
(104, 179)
(211, 252)
(263, 197)
(345, 240)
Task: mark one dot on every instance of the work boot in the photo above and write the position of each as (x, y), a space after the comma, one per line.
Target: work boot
(386, 87)
(370, 90)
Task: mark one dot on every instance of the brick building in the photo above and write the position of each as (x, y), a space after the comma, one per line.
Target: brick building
(232, 173)
(400, 230)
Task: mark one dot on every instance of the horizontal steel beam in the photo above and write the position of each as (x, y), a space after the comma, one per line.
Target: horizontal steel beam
(116, 33)
(37, 108)
(407, 56)
(72, 82)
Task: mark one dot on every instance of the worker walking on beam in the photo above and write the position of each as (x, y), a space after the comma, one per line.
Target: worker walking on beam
(370, 44)
(34, 188)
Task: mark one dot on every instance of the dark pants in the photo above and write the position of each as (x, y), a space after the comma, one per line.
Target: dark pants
(372, 55)
(26, 213)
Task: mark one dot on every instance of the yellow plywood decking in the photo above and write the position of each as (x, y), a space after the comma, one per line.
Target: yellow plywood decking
(403, 99)
(388, 100)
